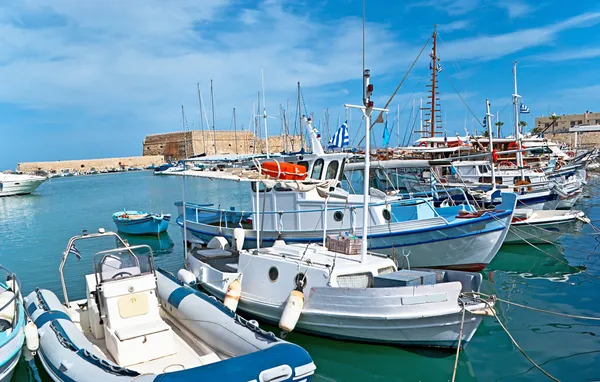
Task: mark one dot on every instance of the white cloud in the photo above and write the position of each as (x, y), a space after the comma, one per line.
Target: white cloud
(451, 7)
(455, 26)
(515, 8)
(495, 46)
(568, 55)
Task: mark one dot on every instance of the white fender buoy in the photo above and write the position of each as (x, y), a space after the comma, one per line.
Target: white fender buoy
(238, 238)
(292, 310)
(218, 242)
(32, 338)
(186, 276)
(232, 297)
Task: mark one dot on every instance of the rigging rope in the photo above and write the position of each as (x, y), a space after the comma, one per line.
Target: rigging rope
(462, 322)
(380, 116)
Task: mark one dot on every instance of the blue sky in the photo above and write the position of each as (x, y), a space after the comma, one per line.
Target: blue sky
(89, 79)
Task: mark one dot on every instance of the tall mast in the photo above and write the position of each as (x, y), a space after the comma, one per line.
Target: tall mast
(433, 82)
(517, 129)
(235, 131)
(300, 118)
(184, 133)
(212, 106)
(421, 118)
(262, 75)
(488, 120)
(201, 120)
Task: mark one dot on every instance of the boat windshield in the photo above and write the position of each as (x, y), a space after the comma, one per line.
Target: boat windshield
(121, 263)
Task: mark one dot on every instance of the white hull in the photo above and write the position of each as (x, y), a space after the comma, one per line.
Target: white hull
(19, 184)
(543, 227)
(434, 331)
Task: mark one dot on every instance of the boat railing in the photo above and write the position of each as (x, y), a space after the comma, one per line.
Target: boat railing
(227, 216)
(72, 250)
(15, 284)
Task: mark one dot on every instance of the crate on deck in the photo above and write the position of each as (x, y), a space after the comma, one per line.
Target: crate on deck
(347, 245)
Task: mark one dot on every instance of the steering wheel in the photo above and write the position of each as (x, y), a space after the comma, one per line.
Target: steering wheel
(122, 274)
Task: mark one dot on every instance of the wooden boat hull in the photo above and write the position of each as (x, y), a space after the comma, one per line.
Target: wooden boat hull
(148, 224)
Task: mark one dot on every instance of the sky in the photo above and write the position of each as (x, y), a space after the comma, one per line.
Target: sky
(90, 79)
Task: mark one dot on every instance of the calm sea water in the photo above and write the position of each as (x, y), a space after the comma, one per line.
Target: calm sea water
(34, 231)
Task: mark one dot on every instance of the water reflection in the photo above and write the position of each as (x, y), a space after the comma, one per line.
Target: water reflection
(548, 262)
(160, 244)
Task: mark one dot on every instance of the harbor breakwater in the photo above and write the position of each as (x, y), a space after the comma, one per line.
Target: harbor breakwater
(87, 164)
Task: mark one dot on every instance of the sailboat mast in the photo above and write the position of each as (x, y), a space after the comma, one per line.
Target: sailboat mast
(300, 119)
(434, 60)
(212, 106)
(488, 121)
(235, 131)
(185, 153)
(262, 75)
(201, 116)
(517, 129)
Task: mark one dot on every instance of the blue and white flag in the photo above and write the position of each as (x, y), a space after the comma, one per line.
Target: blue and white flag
(439, 67)
(432, 185)
(75, 251)
(386, 136)
(341, 137)
(485, 121)
(524, 109)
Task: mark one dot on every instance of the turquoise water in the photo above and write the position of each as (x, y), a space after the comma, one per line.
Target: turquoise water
(35, 230)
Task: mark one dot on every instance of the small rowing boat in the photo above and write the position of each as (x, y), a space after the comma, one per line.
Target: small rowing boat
(141, 223)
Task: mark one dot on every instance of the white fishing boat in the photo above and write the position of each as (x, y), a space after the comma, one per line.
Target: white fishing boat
(529, 226)
(139, 323)
(342, 294)
(19, 184)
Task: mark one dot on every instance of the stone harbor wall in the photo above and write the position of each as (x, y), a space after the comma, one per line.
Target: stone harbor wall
(87, 164)
(178, 145)
(587, 140)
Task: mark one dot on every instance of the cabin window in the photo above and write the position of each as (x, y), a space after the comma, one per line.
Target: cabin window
(483, 169)
(338, 216)
(273, 274)
(303, 164)
(357, 280)
(341, 176)
(261, 187)
(317, 170)
(332, 169)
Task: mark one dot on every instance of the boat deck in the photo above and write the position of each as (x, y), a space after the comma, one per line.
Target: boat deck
(191, 352)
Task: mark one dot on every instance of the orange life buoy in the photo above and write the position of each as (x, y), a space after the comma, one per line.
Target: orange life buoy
(515, 146)
(494, 155)
(423, 144)
(284, 170)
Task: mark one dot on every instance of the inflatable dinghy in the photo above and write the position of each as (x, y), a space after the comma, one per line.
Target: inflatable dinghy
(138, 323)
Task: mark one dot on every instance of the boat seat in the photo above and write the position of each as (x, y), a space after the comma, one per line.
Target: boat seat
(7, 313)
(214, 253)
(139, 330)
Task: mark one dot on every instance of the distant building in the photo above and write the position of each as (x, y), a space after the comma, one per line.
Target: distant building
(566, 121)
(559, 130)
(179, 145)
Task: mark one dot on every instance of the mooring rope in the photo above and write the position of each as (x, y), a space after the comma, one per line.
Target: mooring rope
(475, 295)
(516, 344)
(460, 334)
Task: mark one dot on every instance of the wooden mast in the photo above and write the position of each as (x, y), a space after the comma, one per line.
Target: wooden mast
(434, 71)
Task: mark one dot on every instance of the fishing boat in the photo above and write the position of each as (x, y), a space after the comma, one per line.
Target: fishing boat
(340, 290)
(298, 211)
(19, 184)
(529, 226)
(141, 223)
(144, 324)
(12, 324)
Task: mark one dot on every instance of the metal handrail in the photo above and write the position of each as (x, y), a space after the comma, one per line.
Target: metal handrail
(16, 298)
(83, 236)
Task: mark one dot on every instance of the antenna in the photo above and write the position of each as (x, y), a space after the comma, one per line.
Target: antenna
(262, 77)
(212, 103)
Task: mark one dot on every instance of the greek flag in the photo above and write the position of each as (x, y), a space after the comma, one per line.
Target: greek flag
(485, 121)
(341, 137)
(432, 185)
(524, 109)
(75, 251)
(439, 67)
